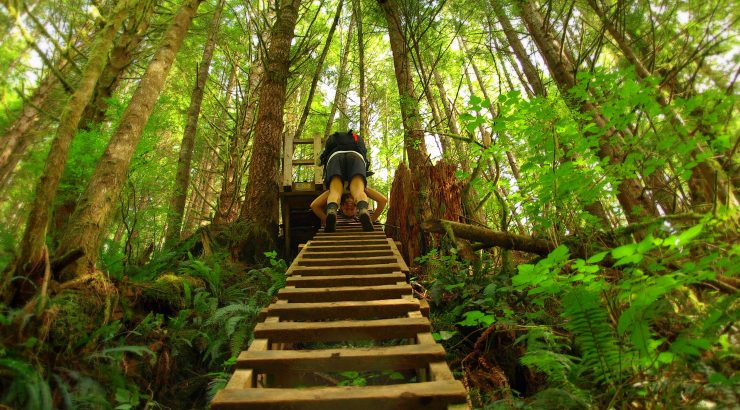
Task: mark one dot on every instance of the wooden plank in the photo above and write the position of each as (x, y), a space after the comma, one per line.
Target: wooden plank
(374, 309)
(345, 280)
(241, 379)
(303, 141)
(337, 360)
(412, 396)
(342, 330)
(342, 270)
(348, 261)
(352, 241)
(318, 172)
(346, 254)
(424, 307)
(361, 234)
(311, 247)
(303, 162)
(288, 160)
(344, 293)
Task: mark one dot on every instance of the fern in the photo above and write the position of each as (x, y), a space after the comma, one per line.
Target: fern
(543, 354)
(27, 388)
(587, 319)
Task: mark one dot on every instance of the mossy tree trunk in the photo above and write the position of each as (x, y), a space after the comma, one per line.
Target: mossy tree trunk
(90, 220)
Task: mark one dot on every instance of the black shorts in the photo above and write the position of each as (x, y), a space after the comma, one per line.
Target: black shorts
(347, 165)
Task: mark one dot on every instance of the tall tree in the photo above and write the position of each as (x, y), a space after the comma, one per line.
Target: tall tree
(562, 67)
(412, 125)
(182, 179)
(34, 238)
(364, 103)
(259, 208)
(93, 212)
(340, 95)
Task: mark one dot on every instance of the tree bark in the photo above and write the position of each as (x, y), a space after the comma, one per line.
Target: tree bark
(33, 243)
(489, 237)
(93, 212)
(182, 179)
(259, 208)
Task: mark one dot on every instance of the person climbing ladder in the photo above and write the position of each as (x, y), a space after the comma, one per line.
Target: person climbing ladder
(345, 161)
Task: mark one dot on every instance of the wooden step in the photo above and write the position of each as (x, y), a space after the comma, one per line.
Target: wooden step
(348, 293)
(345, 280)
(372, 309)
(337, 360)
(304, 162)
(341, 330)
(412, 396)
(340, 234)
(303, 141)
(346, 254)
(343, 270)
(317, 247)
(352, 241)
(347, 261)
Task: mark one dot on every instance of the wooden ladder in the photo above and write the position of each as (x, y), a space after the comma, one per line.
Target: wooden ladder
(289, 163)
(345, 286)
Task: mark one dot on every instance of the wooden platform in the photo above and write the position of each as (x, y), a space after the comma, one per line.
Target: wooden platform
(345, 333)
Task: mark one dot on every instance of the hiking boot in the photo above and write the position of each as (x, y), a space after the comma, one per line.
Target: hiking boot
(331, 219)
(367, 223)
(364, 215)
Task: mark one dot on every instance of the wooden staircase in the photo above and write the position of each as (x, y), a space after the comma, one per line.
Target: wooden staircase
(346, 316)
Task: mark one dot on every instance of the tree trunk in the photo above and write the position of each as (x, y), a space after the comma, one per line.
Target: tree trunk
(340, 98)
(630, 194)
(708, 173)
(33, 243)
(413, 131)
(516, 45)
(264, 170)
(93, 212)
(22, 132)
(227, 210)
(120, 59)
(364, 103)
(182, 179)
(317, 73)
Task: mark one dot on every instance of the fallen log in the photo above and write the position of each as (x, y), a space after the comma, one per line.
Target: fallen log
(488, 237)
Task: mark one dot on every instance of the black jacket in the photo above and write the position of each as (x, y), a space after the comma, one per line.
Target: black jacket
(344, 141)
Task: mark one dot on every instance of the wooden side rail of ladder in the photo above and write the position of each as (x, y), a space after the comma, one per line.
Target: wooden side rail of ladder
(344, 289)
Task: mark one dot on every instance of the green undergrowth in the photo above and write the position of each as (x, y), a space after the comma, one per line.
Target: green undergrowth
(165, 335)
(648, 324)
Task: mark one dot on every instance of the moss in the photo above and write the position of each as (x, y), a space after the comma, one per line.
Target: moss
(77, 313)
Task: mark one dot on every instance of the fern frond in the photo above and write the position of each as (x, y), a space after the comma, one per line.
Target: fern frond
(588, 321)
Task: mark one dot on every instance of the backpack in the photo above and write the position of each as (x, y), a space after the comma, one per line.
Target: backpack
(345, 141)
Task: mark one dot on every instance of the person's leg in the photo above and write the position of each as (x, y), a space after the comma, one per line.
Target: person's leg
(332, 202)
(357, 189)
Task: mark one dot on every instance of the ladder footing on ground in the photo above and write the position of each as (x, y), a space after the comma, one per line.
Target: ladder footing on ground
(345, 333)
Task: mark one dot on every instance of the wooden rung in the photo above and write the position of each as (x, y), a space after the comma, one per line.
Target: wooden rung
(345, 248)
(345, 280)
(342, 330)
(346, 293)
(346, 254)
(340, 235)
(304, 162)
(412, 396)
(303, 141)
(348, 261)
(343, 270)
(424, 307)
(338, 360)
(353, 241)
(242, 379)
(374, 309)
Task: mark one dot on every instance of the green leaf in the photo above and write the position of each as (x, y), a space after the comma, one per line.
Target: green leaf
(598, 257)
